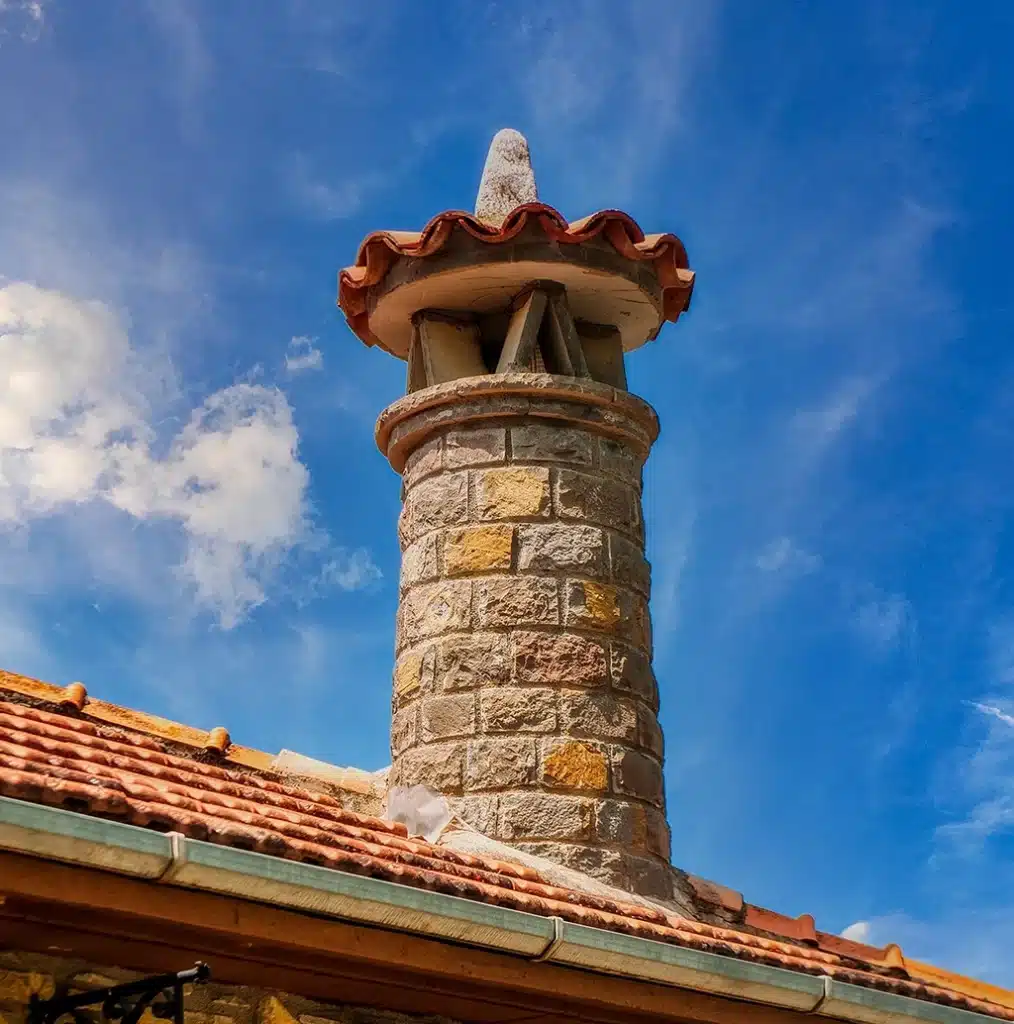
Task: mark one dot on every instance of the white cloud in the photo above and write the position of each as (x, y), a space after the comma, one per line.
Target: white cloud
(859, 931)
(76, 430)
(302, 355)
(322, 199)
(783, 555)
(22, 18)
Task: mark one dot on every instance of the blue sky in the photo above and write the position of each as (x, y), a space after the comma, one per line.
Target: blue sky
(830, 504)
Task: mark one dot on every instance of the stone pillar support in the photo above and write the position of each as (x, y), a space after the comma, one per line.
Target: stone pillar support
(523, 687)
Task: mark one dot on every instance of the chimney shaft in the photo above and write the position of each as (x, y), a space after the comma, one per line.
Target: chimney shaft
(523, 687)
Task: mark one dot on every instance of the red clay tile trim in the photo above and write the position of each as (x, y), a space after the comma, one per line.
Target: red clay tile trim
(801, 928)
(381, 249)
(62, 760)
(715, 894)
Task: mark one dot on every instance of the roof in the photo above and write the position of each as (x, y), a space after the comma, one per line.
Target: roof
(57, 747)
(380, 250)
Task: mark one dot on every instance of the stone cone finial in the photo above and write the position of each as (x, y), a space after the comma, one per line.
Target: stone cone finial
(507, 179)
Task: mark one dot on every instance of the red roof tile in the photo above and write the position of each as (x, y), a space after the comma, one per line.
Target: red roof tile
(54, 755)
(381, 249)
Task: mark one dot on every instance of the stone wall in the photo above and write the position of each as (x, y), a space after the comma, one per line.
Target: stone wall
(523, 686)
(25, 974)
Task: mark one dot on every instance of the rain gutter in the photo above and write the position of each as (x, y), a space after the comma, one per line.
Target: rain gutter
(173, 859)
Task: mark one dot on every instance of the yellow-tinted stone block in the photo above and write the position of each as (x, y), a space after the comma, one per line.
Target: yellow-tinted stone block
(601, 605)
(478, 549)
(273, 1011)
(514, 493)
(408, 675)
(576, 766)
(20, 986)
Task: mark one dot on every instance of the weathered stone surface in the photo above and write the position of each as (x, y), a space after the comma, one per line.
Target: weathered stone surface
(623, 823)
(517, 601)
(475, 447)
(271, 1010)
(20, 986)
(501, 762)
(562, 659)
(638, 775)
(570, 764)
(420, 562)
(631, 671)
(440, 766)
(479, 659)
(519, 492)
(608, 608)
(605, 865)
(545, 442)
(658, 836)
(518, 709)
(545, 816)
(426, 459)
(404, 732)
(628, 564)
(413, 673)
(562, 547)
(435, 502)
(447, 717)
(598, 500)
(648, 876)
(598, 715)
(434, 608)
(475, 549)
(620, 460)
(478, 810)
(649, 733)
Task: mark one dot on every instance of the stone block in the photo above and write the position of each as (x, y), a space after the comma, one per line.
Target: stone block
(517, 601)
(501, 762)
(519, 492)
(628, 564)
(658, 835)
(420, 561)
(536, 815)
(476, 549)
(447, 717)
(620, 460)
(440, 766)
(413, 674)
(562, 547)
(478, 810)
(426, 459)
(434, 608)
(649, 876)
(271, 1010)
(637, 775)
(623, 823)
(404, 729)
(433, 503)
(649, 732)
(605, 865)
(475, 447)
(598, 499)
(467, 661)
(570, 764)
(518, 709)
(607, 608)
(545, 442)
(559, 659)
(598, 715)
(20, 986)
(631, 672)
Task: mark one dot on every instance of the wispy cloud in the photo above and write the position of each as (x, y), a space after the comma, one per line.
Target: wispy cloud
(883, 620)
(302, 355)
(784, 556)
(22, 19)
(322, 197)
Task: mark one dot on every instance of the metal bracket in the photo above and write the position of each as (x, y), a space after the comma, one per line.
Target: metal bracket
(161, 993)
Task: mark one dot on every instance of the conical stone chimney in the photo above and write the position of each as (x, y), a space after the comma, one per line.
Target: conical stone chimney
(523, 687)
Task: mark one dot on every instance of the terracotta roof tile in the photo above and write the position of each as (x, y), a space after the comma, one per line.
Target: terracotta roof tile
(53, 755)
(381, 249)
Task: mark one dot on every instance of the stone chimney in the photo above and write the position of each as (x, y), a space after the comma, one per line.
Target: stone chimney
(523, 687)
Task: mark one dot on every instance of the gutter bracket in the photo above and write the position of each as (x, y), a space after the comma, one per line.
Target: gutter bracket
(178, 858)
(554, 943)
(825, 995)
